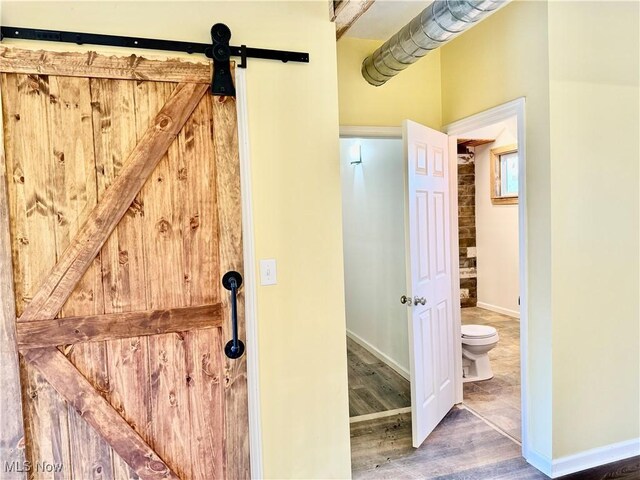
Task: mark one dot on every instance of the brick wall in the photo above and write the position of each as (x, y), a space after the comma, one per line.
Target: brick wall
(467, 230)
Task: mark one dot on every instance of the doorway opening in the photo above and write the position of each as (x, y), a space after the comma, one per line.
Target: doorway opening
(374, 256)
(487, 174)
(500, 261)
(381, 306)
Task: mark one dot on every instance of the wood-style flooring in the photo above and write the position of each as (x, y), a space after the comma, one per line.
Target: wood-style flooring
(462, 447)
(373, 386)
(498, 399)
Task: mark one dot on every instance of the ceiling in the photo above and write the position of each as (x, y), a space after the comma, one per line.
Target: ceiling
(386, 17)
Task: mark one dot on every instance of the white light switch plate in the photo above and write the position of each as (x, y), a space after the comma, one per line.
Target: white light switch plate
(268, 272)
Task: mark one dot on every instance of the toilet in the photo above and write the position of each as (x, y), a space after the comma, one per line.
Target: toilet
(477, 340)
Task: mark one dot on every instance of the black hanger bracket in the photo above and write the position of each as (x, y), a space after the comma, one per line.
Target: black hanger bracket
(222, 82)
(220, 50)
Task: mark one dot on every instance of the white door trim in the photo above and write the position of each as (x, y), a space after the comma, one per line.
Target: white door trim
(251, 320)
(497, 114)
(455, 263)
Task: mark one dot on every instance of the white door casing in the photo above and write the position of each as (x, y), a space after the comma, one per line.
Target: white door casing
(429, 276)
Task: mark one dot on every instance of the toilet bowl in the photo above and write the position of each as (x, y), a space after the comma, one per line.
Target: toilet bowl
(477, 340)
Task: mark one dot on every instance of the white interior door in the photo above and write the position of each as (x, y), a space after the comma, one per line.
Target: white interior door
(429, 278)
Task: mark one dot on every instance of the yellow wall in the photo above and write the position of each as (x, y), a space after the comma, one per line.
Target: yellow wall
(577, 65)
(594, 68)
(414, 95)
(503, 58)
(582, 198)
(293, 116)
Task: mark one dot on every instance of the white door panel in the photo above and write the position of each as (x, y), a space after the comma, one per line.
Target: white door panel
(431, 327)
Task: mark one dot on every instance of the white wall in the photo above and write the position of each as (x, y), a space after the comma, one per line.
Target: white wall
(496, 234)
(374, 253)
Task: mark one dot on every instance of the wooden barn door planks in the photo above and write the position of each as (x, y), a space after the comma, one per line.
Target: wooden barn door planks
(120, 192)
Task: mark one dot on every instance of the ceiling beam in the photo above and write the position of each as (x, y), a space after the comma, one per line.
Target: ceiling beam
(346, 12)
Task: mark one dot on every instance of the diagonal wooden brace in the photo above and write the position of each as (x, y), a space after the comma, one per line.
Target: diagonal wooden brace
(74, 262)
(98, 413)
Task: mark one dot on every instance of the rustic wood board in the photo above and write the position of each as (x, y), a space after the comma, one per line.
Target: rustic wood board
(346, 12)
(97, 328)
(229, 203)
(11, 426)
(92, 64)
(176, 238)
(73, 192)
(95, 409)
(164, 285)
(30, 167)
(45, 105)
(77, 257)
(201, 264)
(123, 273)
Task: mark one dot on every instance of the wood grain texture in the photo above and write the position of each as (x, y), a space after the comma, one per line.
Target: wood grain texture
(11, 426)
(173, 242)
(94, 328)
(162, 247)
(122, 258)
(73, 195)
(382, 448)
(347, 12)
(59, 284)
(93, 408)
(202, 272)
(229, 201)
(30, 168)
(475, 142)
(332, 10)
(373, 385)
(92, 64)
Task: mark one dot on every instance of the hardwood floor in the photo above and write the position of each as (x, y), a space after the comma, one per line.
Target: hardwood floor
(498, 399)
(462, 447)
(373, 385)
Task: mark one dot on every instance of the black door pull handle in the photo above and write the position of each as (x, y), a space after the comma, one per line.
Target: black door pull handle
(234, 347)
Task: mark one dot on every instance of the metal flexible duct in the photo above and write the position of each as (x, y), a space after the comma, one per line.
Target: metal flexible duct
(440, 22)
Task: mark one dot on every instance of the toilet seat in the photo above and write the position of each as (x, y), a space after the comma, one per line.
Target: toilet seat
(479, 335)
(478, 331)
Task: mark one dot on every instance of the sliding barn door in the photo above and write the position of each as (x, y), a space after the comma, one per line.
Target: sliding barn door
(121, 193)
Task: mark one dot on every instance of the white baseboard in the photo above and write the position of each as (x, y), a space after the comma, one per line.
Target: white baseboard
(503, 311)
(595, 457)
(378, 354)
(539, 461)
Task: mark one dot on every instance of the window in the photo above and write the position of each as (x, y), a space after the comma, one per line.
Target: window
(504, 175)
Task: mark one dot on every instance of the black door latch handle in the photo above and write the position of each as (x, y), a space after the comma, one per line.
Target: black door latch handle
(234, 347)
